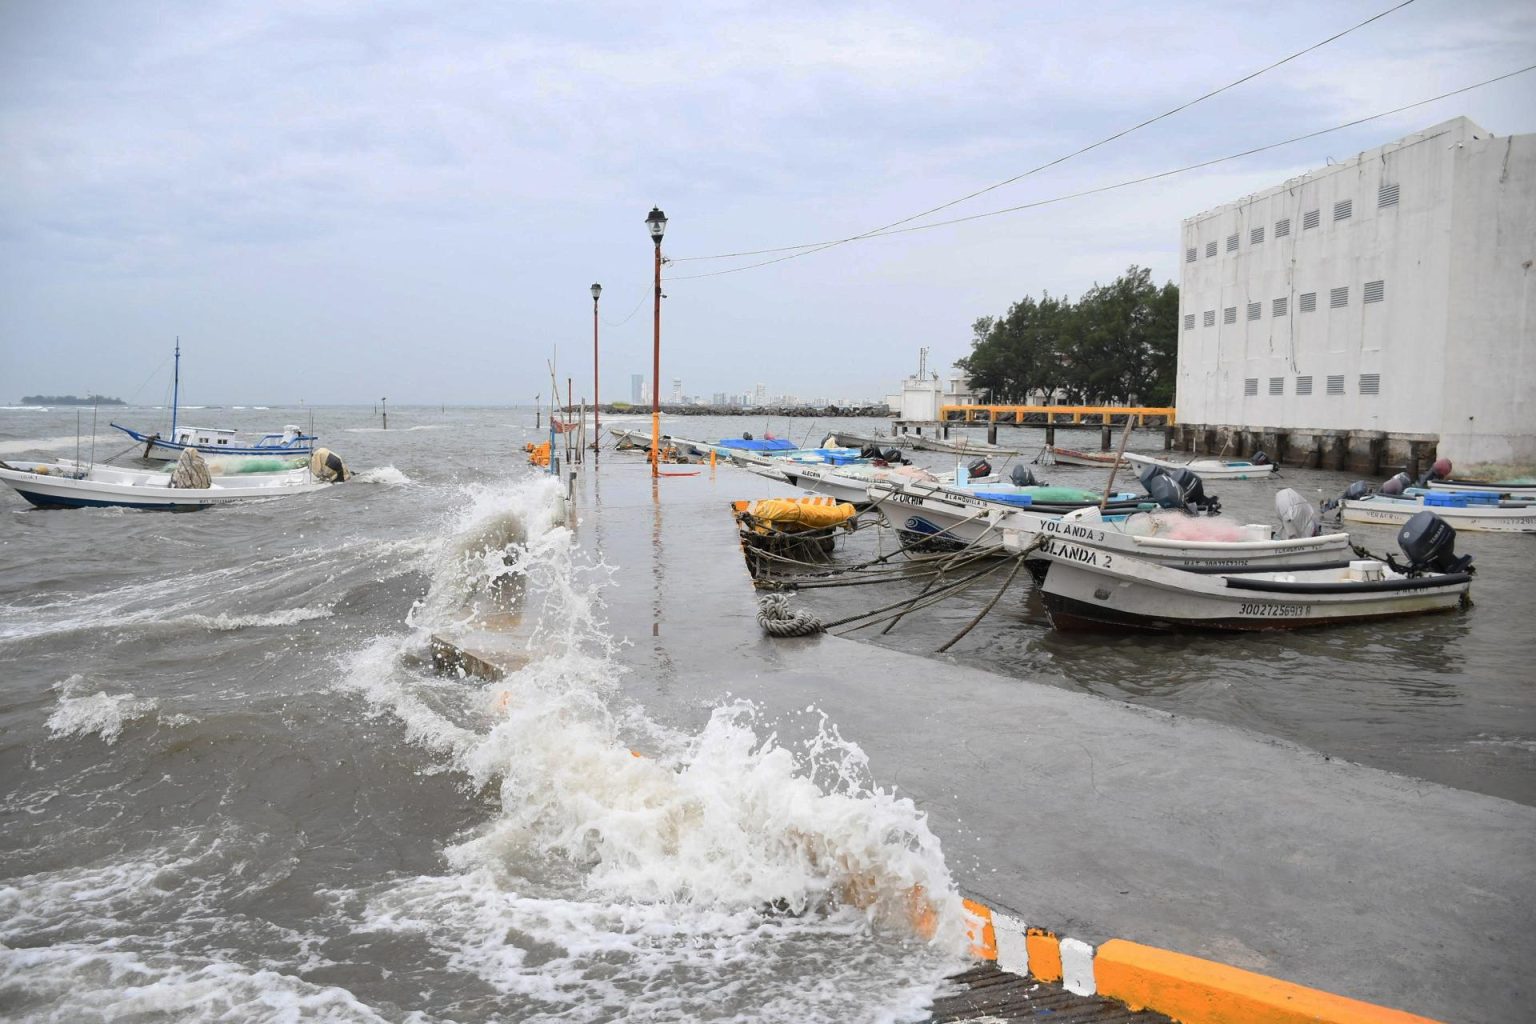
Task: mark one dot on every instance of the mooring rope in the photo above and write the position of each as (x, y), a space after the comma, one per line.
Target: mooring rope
(777, 619)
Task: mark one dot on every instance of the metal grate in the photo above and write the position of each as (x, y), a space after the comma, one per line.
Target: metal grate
(1375, 291)
(1335, 383)
(1250, 387)
(1282, 227)
(1386, 195)
(1278, 307)
(1304, 385)
(1254, 310)
(1338, 297)
(1343, 209)
(1210, 318)
(1370, 383)
(1231, 243)
(1310, 219)
(1189, 255)
(1255, 236)
(1309, 302)
(1277, 385)
(1210, 249)
(1189, 321)
(1229, 315)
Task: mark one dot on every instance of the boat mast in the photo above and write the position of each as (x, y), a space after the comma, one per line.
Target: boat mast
(175, 387)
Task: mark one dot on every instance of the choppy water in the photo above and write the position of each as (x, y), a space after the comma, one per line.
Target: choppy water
(231, 789)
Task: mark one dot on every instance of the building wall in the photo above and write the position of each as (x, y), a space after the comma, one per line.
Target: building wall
(1375, 282)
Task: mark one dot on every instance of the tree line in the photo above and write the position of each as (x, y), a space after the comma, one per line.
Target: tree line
(1116, 345)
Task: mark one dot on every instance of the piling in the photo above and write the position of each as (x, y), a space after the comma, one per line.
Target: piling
(1104, 438)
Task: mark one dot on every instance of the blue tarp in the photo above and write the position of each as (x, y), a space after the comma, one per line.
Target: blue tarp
(778, 444)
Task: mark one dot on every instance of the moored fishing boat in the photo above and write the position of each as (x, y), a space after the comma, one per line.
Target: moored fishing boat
(1052, 455)
(1521, 489)
(961, 446)
(68, 484)
(1211, 469)
(1465, 511)
(947, 517)
(1124, 591)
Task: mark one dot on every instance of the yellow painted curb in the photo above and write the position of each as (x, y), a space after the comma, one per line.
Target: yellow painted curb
(1197, 991)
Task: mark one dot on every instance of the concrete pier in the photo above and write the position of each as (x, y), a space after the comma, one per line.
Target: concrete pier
(1090, 817)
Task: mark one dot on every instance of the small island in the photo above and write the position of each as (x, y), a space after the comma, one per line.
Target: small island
(70, 400)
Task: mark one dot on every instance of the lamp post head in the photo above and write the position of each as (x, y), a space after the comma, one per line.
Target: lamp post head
(597, 290)
(657, 222)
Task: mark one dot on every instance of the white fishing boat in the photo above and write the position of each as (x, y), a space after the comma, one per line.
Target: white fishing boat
(69, 484)
(1523, 489)
(1174, 537)
(1123, 591)
(1210, 469)
(213, 440)
(1478, 512)
(849, 483)
(885, 442)
(960, 446)
(1051, 455)
(948, 517)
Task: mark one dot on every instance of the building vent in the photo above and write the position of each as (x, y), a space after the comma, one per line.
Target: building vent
(1375, 291)
(1277, 385)
(1343, 209)
(1309, 302)
(1282, 227)
(1255, 236)
(1278, 307)
(1335, 383)
(1304, 385)
(1210, 318)
(1189, 255)
(1210, 249)
(1254, 309)
(1309, 219)
(1231, 243)
(1250, 387)
(1338, 297)
(1229, 315)
(1370, 383)
(1189, 321)
(1386, 195)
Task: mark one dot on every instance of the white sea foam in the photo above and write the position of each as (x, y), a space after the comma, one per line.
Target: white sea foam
(751, 872)
(388, 475)
(63, 442)
(224, 622)
(99, 713)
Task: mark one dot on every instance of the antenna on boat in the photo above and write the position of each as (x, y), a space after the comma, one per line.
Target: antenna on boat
(93, 435)
(175, 391)
(77, 437)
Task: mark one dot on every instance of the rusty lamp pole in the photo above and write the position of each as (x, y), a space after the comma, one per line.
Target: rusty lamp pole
(657, 222)
(597, 429)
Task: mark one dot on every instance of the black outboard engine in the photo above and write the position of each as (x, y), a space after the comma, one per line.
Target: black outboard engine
(980, 467)
(1193, 489)
(1178, 488)
(1430, 544)
(1357, 490)
(871, 451)
(1022, 476)
(1161, 488)
(1259, 459)
(895, 458)
(746, 436)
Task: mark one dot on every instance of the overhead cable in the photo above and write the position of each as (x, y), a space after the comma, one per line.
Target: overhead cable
(818, 246)
(1125, 184)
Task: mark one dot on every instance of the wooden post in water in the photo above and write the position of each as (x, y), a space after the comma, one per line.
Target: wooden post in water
(384, 409)
(1119, 455)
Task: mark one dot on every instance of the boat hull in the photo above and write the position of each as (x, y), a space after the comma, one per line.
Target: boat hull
(1210, 469)
(158, 449)
(123, 490)
(1130, 593)
(1071, 457)
(1086, 542)
(1379, 511)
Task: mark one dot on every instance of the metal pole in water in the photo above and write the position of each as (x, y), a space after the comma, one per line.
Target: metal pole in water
(597, 427)
(656, 221)
(384, 410)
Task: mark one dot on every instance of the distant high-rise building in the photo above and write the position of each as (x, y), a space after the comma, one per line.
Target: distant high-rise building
(760, 394)
(677, 390)
(636, 388)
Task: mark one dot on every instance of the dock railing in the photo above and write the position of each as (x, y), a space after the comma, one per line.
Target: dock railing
(1055, 415)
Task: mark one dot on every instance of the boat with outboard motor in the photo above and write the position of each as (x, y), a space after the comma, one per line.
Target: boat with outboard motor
(961, 446)
(943, 516)
(1213, 469)
(1464, 510)
(1134, 592)
(213, 440)
(1051, 455)
(1173, 536)
(187, 486)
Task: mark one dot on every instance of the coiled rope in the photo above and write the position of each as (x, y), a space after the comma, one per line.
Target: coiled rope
(776, 618)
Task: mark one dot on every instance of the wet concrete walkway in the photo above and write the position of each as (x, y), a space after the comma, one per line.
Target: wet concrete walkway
(1092, 817)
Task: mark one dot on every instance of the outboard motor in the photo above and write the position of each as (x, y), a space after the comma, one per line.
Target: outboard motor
(1297, 516)
(1396, 484)
(895, 458)
(871, 451)
(1161, 489)
(1357, 490)
(1022, 476)
(1441, 470)
(1178, 488)
(1430, 544)
(1193, 489)
(1146, 475)
(1259, 459)
(978, 468)
(746, 436)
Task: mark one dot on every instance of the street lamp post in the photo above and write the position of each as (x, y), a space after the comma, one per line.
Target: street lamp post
(657, 222)
(597, 427)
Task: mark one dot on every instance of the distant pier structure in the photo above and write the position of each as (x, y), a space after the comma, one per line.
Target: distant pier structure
(1369, 314)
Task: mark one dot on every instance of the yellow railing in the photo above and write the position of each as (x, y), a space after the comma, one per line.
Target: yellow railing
(1054, 414)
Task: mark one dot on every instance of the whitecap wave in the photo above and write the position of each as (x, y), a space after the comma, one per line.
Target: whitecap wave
(387, 475)
(100, 713)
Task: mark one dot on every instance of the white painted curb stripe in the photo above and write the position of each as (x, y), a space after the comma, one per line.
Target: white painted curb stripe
(1076, 967)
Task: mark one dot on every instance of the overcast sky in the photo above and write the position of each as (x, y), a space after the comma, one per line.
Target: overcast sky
(340, 200)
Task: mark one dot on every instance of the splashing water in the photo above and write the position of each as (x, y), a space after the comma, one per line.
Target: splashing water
(632, 870)
(100, 713)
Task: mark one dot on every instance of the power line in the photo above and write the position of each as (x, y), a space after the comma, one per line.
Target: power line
(819, 246)
(1133, 181)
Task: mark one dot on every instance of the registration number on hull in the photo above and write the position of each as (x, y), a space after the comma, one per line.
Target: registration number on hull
(1274, 610)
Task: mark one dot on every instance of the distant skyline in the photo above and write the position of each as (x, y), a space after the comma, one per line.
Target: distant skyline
(341, 201)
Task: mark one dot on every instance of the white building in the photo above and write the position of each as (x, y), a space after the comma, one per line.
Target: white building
(923, 393)
(1393, 294)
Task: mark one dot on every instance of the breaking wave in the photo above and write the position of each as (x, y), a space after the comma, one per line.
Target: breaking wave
(101, 714)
